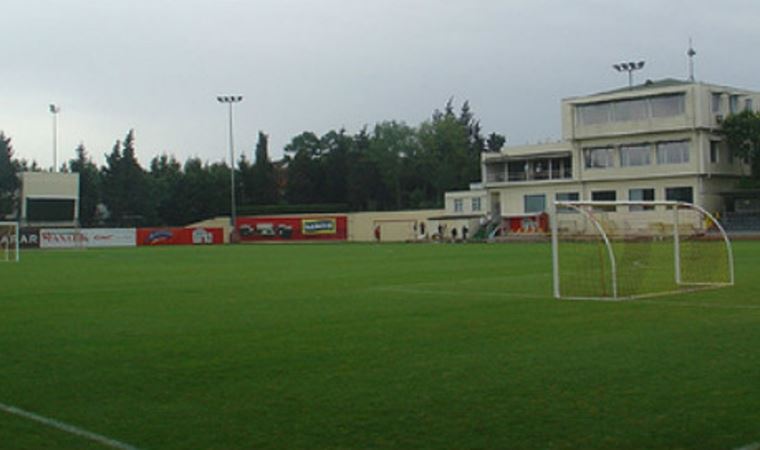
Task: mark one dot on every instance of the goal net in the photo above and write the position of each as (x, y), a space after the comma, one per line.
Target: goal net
(9, 241)
(627, 250)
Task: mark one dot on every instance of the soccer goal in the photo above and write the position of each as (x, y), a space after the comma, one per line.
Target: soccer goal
(9, 241)
(627, 250)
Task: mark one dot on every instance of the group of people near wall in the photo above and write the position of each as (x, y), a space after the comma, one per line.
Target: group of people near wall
(441, 235)
(455, 233)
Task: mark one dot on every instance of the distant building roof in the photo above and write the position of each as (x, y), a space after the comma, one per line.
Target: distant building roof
(649, 84)
(653, 84)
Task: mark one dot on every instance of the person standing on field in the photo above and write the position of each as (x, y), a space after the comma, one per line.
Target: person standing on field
(377, 233)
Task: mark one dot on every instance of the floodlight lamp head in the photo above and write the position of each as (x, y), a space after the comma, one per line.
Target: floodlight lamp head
(640, 64)
(617, 67)
(230, 99)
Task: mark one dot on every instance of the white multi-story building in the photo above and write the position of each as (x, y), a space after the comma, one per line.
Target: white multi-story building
(655, 141)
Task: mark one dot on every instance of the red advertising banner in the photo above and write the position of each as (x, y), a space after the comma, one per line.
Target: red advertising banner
(528, 223)
(179, 236)
(327, 228)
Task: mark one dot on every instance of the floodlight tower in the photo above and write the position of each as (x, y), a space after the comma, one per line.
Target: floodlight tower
(54, 109)
(629, 67)
(230, 100)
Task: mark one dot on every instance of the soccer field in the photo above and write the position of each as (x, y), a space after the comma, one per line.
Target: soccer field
(366, 346)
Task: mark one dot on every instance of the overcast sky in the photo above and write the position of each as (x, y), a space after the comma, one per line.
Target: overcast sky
(158, 65)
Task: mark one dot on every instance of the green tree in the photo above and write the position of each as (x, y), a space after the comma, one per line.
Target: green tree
(450, 156)
(165, 176)
(126, 191)
(263, 188)
(363, 175)
(89, 185)
(742, 133)
(495, 142)
(203, 191)
(393, 148)
(9, 182)
(246, 180)
(304, 176)
(337, 147)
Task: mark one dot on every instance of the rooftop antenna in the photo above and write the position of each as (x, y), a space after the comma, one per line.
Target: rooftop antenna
(691, 53)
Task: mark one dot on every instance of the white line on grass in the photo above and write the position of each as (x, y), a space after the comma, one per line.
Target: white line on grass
(518, 295)
(404, 290)
(696, 305)
(100, 439)
(755, 446)
(467, 280)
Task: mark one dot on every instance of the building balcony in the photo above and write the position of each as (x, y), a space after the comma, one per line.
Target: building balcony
(529, 170)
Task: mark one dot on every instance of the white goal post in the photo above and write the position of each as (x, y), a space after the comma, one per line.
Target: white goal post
(617, 250)
(9, 241)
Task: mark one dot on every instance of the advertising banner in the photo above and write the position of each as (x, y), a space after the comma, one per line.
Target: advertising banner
(87, 237)
(529, 223)
(319, 226)
(28, 238)
(179, 236)
(297, 228)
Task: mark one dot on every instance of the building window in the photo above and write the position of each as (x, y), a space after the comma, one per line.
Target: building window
(680, 194)
(566, 197)
(458, 205)
(594, 113)
(535, 203)
(733, 104)
(517, 170)
(676, 152)
(716, 102)
(628, 110)
(476, 204)
(540, 169)
(604, 196)
(714, 152)
(635, 155)
(668, 105)
(631, 109)
(495, 172)
(562, 167)
(748, 104)
(599, 157)
(639, 195)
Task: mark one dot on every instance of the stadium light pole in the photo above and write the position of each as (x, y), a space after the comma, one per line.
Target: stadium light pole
(629, 67)
(231, 100)
(54, 109)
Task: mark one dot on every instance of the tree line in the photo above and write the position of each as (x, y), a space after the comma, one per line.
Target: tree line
(391, 166)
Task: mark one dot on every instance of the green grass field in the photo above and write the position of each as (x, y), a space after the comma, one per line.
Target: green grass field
(369, 347)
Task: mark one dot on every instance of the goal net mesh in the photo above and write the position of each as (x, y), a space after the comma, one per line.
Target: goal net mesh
(618, 250)
(9, 241)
